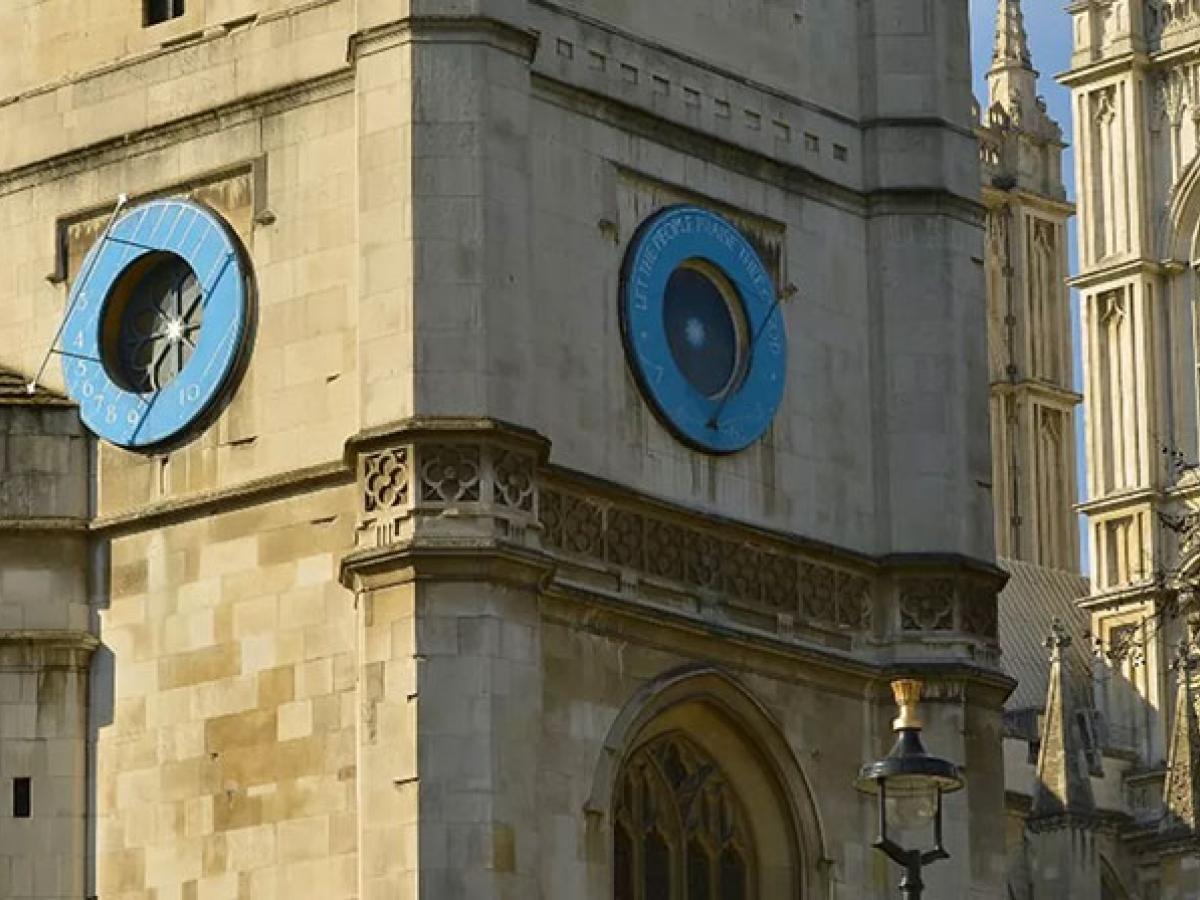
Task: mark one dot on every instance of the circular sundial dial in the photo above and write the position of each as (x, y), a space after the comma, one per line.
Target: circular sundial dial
(157, 323)
(702, 328)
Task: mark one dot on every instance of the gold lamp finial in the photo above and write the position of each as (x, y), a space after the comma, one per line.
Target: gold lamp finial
(907, 692)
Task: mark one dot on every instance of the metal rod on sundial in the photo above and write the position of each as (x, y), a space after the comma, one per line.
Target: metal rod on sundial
(31, 387)
(713, 421)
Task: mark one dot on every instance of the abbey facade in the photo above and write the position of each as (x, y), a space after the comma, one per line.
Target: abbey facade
(499, 448)
(1102, 743)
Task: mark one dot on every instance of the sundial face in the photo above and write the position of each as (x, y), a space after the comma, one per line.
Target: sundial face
(158, 321)
(702, 329)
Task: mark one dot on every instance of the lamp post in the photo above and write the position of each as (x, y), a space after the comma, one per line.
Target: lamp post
(909, 784)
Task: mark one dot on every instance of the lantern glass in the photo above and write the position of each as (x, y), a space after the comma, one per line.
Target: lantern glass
(912, 802)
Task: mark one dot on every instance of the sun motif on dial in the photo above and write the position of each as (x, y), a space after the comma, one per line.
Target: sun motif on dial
(159, 326)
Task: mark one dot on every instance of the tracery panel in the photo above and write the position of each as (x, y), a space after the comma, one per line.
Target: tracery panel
(680, 832)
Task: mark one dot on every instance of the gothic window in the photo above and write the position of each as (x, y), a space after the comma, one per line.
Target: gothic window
(679, 831)
(1108, 171)
(156, 11)
(1044, 297)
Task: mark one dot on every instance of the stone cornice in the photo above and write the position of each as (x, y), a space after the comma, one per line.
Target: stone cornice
(476, 498)
(826, 668)
(656, 47)
(492, 561)
(215, 32)
(902, 201)
(1165, 59)
(205, 503)
(494, 32)
(43, 525)
(1065, 398)
(756, 164)
(1100, 821)
(1146, 839)
(1143, 593)
(1119, 501)
(1121, 270)
(695, 142)
(442, 427)
(36, 649)
(994, 196)
(49, 636)
(1101, 69)
(209, 121)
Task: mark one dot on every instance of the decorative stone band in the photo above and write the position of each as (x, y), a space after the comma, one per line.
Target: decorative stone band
(468, 471)
(746, 575)
(471, 483)
(948, 604)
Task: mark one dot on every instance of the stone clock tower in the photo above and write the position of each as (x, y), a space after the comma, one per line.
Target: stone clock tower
(492, 449)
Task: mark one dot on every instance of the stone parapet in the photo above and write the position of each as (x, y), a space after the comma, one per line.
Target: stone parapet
(448, 488)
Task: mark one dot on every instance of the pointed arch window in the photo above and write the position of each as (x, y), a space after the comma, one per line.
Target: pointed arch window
(679, 830)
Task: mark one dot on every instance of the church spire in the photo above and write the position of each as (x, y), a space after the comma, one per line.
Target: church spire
(1012, 43)
(1181, 793)
(1012, 81)
(1064, 785)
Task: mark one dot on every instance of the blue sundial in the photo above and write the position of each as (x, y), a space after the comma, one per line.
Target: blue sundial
(157, 323)
(702, 328)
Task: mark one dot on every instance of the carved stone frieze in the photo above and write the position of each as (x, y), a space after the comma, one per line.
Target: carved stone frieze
(818, 592)
(703, 555)
(778, 581)
(854, 602)
(743, 568)
(462, 486)
(625, 538)
(450, 473)
(927, 604)
(582, 526)
(964, 604)
(744, 573)
(385, 479)
(979, 612)
(514, 480)
(415, 476)
(664, 549)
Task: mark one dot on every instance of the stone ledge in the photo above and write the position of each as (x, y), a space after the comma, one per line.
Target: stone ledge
(479, 29)
(259, 490)
(446, 561)
(458, 488)
(37, 649)
(34, 525)
(221, 117)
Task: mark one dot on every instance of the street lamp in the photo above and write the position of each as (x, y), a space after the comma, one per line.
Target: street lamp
(909, 784)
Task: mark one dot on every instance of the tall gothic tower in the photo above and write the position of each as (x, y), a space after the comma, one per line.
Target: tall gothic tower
(1029, 326)
(1134, 83)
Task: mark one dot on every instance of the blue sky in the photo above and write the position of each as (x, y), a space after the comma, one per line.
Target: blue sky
(1049, 29)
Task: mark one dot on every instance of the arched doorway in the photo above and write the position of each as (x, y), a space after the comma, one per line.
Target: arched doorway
(702, 799)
